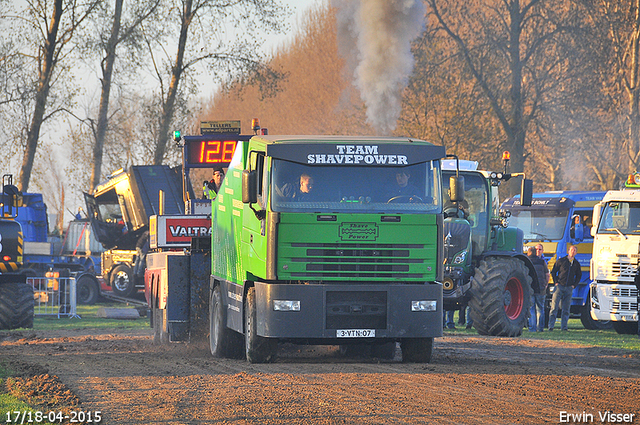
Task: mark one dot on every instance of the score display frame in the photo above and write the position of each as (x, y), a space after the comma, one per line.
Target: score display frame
(210, 151)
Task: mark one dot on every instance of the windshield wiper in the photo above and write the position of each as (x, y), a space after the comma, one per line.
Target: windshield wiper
(543, 236)
(617, 230)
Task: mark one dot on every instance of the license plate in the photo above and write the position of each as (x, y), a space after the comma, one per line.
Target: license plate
(355, 333)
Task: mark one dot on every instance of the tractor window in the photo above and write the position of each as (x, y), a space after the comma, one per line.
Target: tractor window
(476, 200)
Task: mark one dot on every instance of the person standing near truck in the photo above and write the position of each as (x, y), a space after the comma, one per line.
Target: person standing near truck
(539, 290)
(214, 184)
(566, 274)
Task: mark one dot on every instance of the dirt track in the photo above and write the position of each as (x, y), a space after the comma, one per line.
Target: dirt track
(471, 380)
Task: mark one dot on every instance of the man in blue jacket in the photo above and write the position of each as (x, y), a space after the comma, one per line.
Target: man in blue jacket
(566, 275)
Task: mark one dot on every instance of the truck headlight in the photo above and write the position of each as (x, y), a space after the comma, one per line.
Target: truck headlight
(424, 305)
(286, 305)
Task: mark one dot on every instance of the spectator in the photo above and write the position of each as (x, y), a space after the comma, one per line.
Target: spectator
(539, 290)
(213, 184)
(566, 274)
(447, 317)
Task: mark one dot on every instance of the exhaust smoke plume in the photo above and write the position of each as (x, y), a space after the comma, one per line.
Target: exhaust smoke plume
(374, 36)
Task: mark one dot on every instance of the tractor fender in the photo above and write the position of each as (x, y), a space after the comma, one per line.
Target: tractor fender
(522, 257)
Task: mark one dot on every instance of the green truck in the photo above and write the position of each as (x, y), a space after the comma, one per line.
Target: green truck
(314, 240)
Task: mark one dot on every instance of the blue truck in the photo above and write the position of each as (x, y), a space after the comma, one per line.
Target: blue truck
(555, 220)
(77, 254)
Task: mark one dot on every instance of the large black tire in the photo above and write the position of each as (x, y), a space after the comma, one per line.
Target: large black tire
(500, 296)
(416, 350)
(386, 351)
(16, 305)
(589, 323)
(158, 321)
(121, 278)
(87, 290)
(625, 328)
(257, 349)
(223, 342)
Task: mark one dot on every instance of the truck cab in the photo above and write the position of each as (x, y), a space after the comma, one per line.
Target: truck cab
(119, 210)
(354, 260)
(614, 266)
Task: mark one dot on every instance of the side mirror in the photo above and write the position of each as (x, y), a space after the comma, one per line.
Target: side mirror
(597, 210)
(456, 188)
(11, 199)
(526, 193)
(249, 187)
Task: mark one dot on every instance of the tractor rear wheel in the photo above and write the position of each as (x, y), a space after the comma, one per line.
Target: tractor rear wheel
(16, 305)
(500, 296)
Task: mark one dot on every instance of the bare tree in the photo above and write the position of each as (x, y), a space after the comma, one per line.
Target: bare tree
(515, 51)
(50, 26)
(140, 12)
(200, 40)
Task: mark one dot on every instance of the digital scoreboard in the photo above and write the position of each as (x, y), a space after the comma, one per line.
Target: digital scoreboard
(203, 152)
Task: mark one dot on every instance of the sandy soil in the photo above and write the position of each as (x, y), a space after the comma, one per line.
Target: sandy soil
(471, 380)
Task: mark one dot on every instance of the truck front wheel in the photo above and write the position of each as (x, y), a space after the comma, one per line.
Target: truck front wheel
(589, 323)
(500, 296)
(416, 350)
(223, 341)
(258, 349)
(122, 280)
(625, 328)
(87, 290)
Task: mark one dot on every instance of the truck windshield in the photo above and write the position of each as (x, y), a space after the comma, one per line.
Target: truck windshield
(620, 217)
(413, 188)
(540, 224)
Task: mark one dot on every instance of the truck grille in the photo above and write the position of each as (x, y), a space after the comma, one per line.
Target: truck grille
(624, 270)
(619, 306)
(356, 310)
(624, 292)
(391, 261)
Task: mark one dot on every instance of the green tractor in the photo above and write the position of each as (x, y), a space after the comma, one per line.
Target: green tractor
(484, 264)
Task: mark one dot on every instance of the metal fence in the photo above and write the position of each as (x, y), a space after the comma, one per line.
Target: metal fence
(54, 296)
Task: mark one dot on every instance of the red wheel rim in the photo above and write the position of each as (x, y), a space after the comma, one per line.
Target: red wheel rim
(513, 298)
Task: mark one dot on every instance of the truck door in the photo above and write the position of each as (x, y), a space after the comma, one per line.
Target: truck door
(104, 227)
(254, 229)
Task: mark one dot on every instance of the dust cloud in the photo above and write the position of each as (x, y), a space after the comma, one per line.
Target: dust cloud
(374, 37)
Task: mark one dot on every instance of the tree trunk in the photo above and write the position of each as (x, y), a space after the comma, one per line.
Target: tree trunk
(47, 65)
(107, 72)
(634, 95)
(176, 72)
(516, 137)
